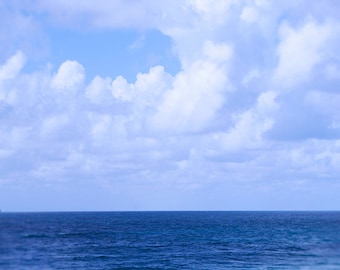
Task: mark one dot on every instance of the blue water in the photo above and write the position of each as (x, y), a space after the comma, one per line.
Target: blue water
(170, 240)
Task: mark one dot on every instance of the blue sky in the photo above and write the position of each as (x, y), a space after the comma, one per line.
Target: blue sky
(169, 105)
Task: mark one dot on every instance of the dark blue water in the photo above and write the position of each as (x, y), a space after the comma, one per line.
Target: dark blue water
(170, 240)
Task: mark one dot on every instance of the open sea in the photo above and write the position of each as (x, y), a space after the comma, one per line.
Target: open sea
(170, 240)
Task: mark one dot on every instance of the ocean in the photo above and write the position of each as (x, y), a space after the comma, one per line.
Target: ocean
(170, 240)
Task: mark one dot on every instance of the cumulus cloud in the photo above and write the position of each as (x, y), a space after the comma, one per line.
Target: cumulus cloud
(255, 98)
(196, 96)
(54, 124)
(147, 88)
(70, 75)
(12, 67)
(249, 14)
(300, 50)
(99, 90)
(250, 125)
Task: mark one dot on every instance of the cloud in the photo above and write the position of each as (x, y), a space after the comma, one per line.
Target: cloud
(69, 77)
(146, 89)
(53, 125)
(196, 96)
(12, 67)
(107, 14)
(300, 50)
(250, 125)
(8, 72)
(249, 14)
(20, 32)
(212, 11)
(254, 104)
(99, 90)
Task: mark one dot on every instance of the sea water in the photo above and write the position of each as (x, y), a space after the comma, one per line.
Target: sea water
(170, 240)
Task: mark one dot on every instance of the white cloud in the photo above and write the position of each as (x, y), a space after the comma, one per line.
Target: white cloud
(300, 50)
(255, 11)
(108, 14)
(196, 93)
(99, 90)
(54, 124)
(12, 67)
(101, 128)
(217, 53)
(16, 89)
(147, 88)
(213, 11)
(250, 125)
(249, 14)
(196, 96)
(70, 76)
(202, 127)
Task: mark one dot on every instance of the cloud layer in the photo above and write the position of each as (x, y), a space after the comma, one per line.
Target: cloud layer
(254, 107)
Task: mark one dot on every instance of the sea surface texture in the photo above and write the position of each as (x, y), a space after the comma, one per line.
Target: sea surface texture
(170, 240)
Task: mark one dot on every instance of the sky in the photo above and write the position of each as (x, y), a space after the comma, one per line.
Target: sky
(116, 105)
